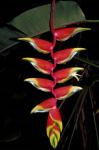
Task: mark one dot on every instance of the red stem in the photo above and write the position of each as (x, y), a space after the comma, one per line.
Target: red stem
(52, 18)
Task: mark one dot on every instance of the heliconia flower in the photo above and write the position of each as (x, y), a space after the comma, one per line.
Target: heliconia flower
(41, 83)
(41, 65)
(66, 74)
(66, 55)
(54, 126)
(63, 34)
(54, 117)
(45, 106)
(40, 45)
(66, 91)
(54, 137)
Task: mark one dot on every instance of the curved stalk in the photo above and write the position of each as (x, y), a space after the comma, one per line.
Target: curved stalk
(51, 22)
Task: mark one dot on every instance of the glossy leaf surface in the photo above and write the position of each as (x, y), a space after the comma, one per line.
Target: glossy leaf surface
(36, 21)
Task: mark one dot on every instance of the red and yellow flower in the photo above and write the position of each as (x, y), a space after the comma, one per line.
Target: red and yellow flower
(54, 126)
(45, 106)
(64, 75)
(41, 65)
(66, 91)
(40, 45)
(41, 83)
(63, 34)
(66, 55)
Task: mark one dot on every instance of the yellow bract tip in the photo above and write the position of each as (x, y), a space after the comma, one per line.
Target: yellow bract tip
(79, 49)
(81, 29)
(32, 81)
(76, 88)
(28, 59)
(27, 39)
(77, 69)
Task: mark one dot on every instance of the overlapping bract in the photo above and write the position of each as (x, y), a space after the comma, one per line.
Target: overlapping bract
(54, 126)
(54, 121)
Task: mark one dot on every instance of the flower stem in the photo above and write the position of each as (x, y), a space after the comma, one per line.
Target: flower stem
(51, 23)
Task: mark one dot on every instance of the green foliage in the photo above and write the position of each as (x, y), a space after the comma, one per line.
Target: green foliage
(36, 21)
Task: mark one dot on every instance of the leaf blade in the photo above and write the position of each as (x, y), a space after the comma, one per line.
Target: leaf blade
(40, 22)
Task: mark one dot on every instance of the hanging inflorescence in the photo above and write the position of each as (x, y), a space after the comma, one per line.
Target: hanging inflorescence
(54, 121)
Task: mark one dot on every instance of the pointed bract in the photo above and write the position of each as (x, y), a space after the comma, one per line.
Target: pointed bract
(54, 127)
(66, 91)
(45, 106)
(41, 65)
(66, 55)
(56, 131)
(66, 74)
(40, 45)
(54, 116)
(63, 34)
(54, 138)
(41, 83)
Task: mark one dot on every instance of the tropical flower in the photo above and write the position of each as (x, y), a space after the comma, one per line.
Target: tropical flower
(66, 91)
(64, 75)
(40, 45)
(41, 83)
(54, 126)
(41, 65)
(45, 106)
(63, 34)
(66, 55)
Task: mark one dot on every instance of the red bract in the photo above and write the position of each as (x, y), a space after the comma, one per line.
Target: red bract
(63, 34)
(54, 136)
(54, 115)
(54, 122)
(45, 106)
(66, 55)
(65, 92)
(39, 44)
(41, 84)
(54, 126)
(65, 74)
(41, 65)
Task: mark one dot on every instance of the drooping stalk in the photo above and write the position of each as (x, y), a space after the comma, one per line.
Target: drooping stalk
(51, 23)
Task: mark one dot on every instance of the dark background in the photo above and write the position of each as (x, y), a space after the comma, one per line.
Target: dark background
(19, 130)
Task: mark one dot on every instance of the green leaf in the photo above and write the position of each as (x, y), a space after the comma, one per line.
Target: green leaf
(36, 21)
(6, 33)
